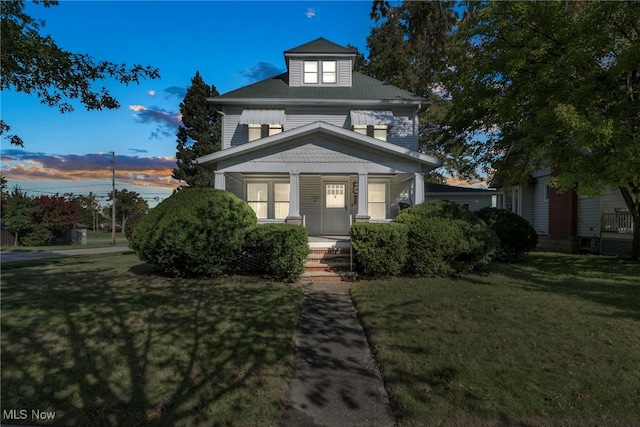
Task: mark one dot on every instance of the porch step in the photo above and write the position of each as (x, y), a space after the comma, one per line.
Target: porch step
(321, 276)
(329, 260)
(334, 245)
(328, 257)
(311, 266)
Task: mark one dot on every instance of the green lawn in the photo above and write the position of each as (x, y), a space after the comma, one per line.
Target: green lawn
(554, 340)
(95, 239)
(102, 340)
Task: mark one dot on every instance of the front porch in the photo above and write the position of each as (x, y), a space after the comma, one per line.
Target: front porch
(325, 204)
(322, 176)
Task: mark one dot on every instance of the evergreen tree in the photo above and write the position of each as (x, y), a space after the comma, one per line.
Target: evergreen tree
(199, 135)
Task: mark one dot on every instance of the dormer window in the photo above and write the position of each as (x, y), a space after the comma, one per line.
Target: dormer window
(310, 72)
(329, 72)
(313, 69)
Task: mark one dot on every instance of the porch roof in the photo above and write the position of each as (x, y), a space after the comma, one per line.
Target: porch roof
(271, 142)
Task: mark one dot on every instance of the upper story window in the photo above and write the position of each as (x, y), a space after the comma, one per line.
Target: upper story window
(320, 71)
(310, 72)
(262, 123)
(329, 72)
(376, 131)
(257, 131)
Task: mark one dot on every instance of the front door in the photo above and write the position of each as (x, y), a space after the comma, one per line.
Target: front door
(335, 215)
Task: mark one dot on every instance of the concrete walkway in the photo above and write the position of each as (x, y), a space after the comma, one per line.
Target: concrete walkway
(336, 381)
(12, 256)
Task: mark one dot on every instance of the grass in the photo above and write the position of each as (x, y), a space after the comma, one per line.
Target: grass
(95, 239)
(102, 340)
(554, 340)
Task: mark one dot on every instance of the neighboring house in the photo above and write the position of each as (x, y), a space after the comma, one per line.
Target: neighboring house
(570, 223)
(321, 145)
(472, 199)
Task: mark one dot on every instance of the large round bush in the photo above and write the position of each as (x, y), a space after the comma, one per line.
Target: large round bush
(516, 235)
(195, 232)
(445, 238)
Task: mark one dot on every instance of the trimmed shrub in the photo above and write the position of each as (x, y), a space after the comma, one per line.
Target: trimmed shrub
(379, 249)
(516, 235)
(39, 235)
(196, 232)
(474, 243)
(277, 250)
(435, 244)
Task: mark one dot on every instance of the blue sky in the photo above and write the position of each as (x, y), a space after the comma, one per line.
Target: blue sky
(231, 43)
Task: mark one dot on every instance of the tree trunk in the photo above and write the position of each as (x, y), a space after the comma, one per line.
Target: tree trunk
(633, 203)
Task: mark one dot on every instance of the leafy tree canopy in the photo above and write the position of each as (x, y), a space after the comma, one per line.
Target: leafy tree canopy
(200, 134)
(34, 64)
(56, 213)
(550, 85)
(127, 204)
(408, 49)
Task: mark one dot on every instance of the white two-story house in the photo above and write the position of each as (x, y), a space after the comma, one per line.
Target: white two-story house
(321, 145)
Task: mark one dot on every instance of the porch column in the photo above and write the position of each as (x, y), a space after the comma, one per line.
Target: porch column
(418, 188)
(294, 199)
(219, 182)
(363, 198)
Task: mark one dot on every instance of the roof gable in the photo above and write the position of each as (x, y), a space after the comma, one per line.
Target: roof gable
(385, 149)
(321, 46)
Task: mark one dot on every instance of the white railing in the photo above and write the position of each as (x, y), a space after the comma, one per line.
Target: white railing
(615, 222)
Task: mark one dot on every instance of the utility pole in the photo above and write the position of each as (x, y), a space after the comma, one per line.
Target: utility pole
(113, 198)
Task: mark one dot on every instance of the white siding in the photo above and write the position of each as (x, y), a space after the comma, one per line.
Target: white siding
(403, 132)
(295, 72)
(310, 199)
(296, 117)
(588, 216)
(344, 73)
(233, 133)
(612, 199)
(400, 193)
(528, 203)
(541, 206)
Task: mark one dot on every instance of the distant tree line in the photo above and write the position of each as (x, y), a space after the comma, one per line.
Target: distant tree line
(47, 219)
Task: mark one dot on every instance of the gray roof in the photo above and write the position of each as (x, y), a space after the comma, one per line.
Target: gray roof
(321, 46)
(363, 88)
(430, 187)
